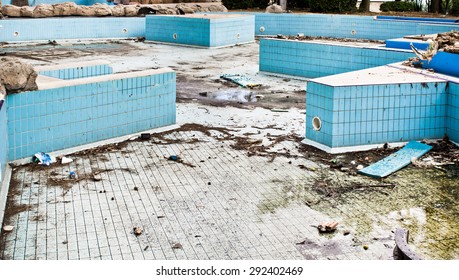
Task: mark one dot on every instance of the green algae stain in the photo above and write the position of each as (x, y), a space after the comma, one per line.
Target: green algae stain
(424, 201)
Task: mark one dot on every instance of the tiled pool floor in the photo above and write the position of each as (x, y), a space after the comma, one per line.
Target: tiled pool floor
(256, 194)
(219, 203)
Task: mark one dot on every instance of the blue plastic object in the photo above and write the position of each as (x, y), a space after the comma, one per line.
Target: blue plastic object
(397, 160)
(444, 63)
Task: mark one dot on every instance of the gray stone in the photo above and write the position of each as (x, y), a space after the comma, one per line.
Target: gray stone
(11, 11)
(274, 9)
(102, 10)
(17, 76)
(65, 9)
(27, 11)
(118, 11)
(85, 11)
(217, 8)
(186, 9)
(131, 10)
(43, 10)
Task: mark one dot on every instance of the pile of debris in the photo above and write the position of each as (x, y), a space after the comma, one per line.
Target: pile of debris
(101, 10)
(448, 42)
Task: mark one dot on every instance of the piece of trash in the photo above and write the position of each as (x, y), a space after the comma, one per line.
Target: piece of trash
(146, 248)
(66, 160)
(112, 198)
(353, 162)
(241, 80)
(279, 110)
(174, 158)
(8, 228)
(136, 189)
(346, 232)
(365, 247)
(359, 167)
(44, 159)
(396, 161)
(72, 175)
(137, 231)
(177, 246)
(145, 136)
(327, 226)
(96, 177)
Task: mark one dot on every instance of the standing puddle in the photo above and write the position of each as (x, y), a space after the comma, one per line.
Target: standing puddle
(239, 95)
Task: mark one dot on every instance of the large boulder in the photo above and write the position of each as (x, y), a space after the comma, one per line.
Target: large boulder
(27, 11)
(274, 9)
(102, 10)
(131, 10)
(65, 9)
(168, 11)
(11, 11)
(217, 8)
(43, 11)
(186, 9)
(17, 76)
(85, 11)
(118, 11)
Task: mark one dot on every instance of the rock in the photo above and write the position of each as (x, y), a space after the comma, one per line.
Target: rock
(185, 9)
(131, 10)
(274, 9)
(8, 228)
(43, 11)
(65, 9)
(137, 231)
(217, 8)
(85, 11)
(168, 11)
(17, 76)
(177, 246)
(11, 11)
(359, 167)
(118, 11)
(27, 11)
(101, 10)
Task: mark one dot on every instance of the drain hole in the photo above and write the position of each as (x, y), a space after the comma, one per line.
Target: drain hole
(15, 34)
(174, 36)
(262, 29)
(353, 32)
(316, 123)
(125, 30)
(238, 36)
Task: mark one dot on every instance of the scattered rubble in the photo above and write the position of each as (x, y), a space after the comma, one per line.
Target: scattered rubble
(327, 227)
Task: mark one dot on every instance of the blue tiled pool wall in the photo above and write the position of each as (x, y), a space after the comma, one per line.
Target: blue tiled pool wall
(189, 31)
(55, 119)
(376, 114)
(230, 31)
(3, 139)
(79, 72)
(200, 31)
(343, 26)
(312, 60)
(452, 121)
(15, 30)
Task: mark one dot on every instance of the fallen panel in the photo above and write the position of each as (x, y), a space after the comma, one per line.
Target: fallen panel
(397, 160)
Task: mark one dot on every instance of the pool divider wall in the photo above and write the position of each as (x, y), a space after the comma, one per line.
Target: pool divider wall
(3, 140)
(360, 116)
(315, 59)
(214, 30)
(76, 70)
(70, 113)
(343, 26)
(58, 28)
